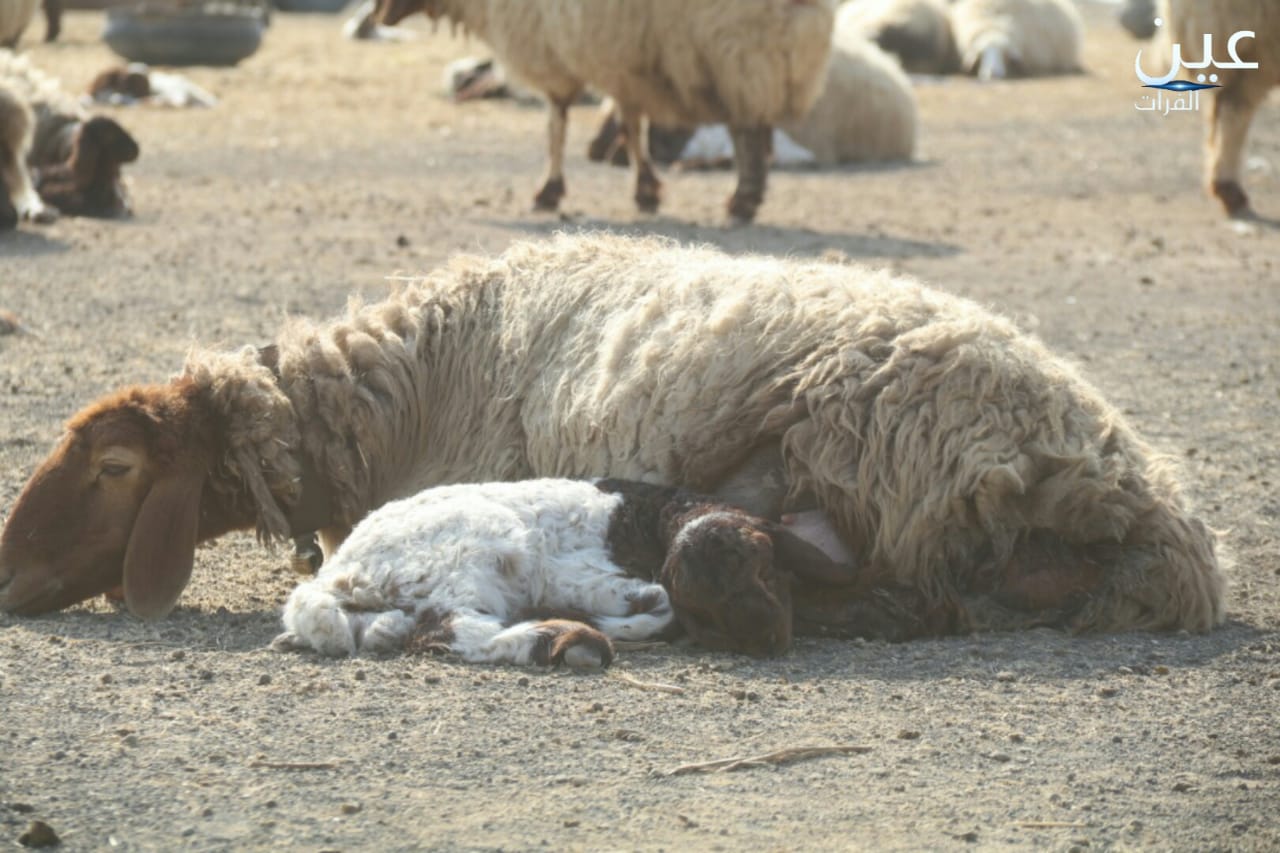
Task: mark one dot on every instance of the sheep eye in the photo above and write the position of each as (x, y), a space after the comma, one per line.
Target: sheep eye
(114, 469)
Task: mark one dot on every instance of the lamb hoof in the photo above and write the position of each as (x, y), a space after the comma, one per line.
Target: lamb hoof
(1234, 199)
(44, 216)
(573, 643)
(287, 642)
(548, 198)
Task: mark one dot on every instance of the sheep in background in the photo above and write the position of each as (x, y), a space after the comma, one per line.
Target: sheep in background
(1243, 89)
(76, 159)
(930, 439)
(917, 32)
(17, 128)
(1017, 38)
(865, 114)
(467, 566)
(750, 64)
(1139, 18)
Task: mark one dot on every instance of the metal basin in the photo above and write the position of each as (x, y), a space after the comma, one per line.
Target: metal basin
(191, 34)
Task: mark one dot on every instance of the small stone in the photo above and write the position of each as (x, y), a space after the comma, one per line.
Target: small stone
(129, 740)
(39, 834)
(595, 708)
(1006, 677)
(523, 681)
(1108, 692)
(360, 675)
(1160, 670)
(402, 241)
(206, 675)
(1017, 737)
(22, 808)
(264, 680)
(177, 654)
(570, 824)
(740, 695)
(1182, 787)
(352, 808)
(105, 678)
(1002, 757)
(207, 811)
(970, 836)
(432, 679)
(908, 734)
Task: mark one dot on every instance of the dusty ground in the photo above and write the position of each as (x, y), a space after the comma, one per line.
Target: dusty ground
(328, 166)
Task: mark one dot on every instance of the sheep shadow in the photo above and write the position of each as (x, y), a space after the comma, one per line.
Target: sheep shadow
(186, 628)
(24, 243)
(750, 239)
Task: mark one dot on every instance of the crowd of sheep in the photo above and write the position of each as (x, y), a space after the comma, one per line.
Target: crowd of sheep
(883, 459)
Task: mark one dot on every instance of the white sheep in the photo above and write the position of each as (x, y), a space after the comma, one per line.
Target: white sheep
(750, 64)
(1242, 91)
(1017, 38)
(545, 571)
(17, 129)
(930, 438)
(917, 32)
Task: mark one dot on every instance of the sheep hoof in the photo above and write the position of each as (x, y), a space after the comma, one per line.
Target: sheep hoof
(575, 644)
(548, 198)
(307, 556)
(1234, 199)
(742, 209)
(648, 195)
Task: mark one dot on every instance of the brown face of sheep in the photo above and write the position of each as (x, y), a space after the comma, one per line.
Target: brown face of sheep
(725, 589)
(117, 502)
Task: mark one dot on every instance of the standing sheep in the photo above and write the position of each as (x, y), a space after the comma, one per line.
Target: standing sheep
(16, 15)
(926, 437)
(17, 128)
(750, 64)
(470, 566)
(1017, 38)
(1243, 89)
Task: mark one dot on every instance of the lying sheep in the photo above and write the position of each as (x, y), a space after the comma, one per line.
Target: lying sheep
(917, 32)
(464, 566)
(927, 437)
(1017, 38)
(1243, 89)
(750, 64)
(76, 158)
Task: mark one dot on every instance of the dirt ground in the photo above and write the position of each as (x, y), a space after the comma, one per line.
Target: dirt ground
(328, 166)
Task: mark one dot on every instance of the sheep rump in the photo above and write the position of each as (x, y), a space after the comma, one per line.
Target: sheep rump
(935, 436)
(1020, 38)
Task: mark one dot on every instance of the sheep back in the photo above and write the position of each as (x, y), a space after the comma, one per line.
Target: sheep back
(742, 62)
(866, 112)
(1041, 36)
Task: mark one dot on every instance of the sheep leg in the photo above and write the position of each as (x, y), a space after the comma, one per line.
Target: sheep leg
(1233, 109)
(52, 19)
(648, 188)
(548, 198)
(750, 155)
(482, 638)
(609, 140)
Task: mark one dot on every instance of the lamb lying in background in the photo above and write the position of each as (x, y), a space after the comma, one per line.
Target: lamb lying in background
(467, 566)
(75, 158)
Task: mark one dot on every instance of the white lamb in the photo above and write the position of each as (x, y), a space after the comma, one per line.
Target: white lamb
(478, 569)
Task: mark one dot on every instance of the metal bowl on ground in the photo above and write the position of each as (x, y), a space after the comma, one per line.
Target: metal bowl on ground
(312, 5)
(185, 33)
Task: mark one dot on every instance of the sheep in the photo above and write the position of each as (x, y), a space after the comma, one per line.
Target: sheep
(748, 63)
(929, 438)
(917, 32)
(76, 158)
(1242, 89)
(16, 15)
(1017, 38)
(17, 128)
(866, 113)
(137, 83)
(455, 565)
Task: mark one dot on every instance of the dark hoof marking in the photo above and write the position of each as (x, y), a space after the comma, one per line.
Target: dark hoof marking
(1234, 199)
(548, 198)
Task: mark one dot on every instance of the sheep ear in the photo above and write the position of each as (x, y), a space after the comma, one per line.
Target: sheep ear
(162, 546)
(807, 561)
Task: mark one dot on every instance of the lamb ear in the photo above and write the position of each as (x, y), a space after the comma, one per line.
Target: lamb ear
(807, 561)
(162, 546)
